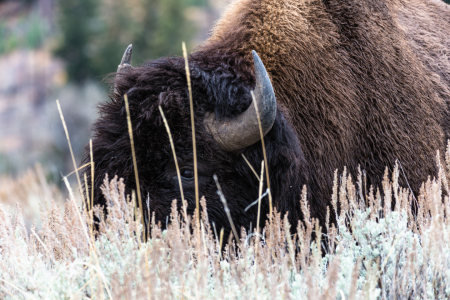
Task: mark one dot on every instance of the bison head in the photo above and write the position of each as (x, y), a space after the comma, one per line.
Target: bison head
(225, 126)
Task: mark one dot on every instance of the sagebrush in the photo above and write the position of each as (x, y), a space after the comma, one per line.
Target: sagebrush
(387, 244)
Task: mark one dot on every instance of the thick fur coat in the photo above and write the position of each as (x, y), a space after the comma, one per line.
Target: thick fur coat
(358, 83)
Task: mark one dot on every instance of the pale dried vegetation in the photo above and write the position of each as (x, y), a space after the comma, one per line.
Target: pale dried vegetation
(378, 250)
(31, 191)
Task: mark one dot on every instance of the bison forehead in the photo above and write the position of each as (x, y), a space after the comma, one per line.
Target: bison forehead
(215, 87)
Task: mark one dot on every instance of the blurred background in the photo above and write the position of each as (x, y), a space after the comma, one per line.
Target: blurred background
(63, 49)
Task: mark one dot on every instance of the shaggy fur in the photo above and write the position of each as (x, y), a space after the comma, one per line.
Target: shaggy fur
(357, 82)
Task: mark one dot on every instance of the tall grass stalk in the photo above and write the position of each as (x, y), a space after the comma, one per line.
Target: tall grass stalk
(194, 147)
(175, 160)
(70, 148)
(136, 173)
(261, 183)
(264, 152)
(91, 211)
(250, 165)
(225, 207)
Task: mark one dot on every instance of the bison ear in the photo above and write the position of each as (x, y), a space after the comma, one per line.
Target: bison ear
(125, 63)
(243, 130)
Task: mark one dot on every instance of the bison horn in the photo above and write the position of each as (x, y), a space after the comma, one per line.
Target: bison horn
(243, 131)
(126, 58)
(125, 63)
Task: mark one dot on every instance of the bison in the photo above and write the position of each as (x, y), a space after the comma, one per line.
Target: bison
(339, 83)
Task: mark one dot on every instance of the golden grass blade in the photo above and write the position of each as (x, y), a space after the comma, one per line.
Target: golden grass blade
(92, 179)
(82, 167)
(261, 182)
(72, 198)
(70, 147)
(175, 160)
(87, 193)
(221, 243)
(226, 208)
(248, 163)
(133, 153)
(188, 77)
(91, 212)
(264, 152)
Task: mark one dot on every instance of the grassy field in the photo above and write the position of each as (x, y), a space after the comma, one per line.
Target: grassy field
(377, 251)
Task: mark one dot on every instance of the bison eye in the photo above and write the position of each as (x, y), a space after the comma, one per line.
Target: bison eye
(187, 174)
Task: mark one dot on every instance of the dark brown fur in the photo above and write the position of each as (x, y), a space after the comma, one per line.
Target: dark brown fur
(364, 82)
(357, 82)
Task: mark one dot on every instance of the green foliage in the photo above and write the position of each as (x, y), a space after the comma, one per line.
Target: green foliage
(95, 33)
(29, 33)
(34, 36)
(78, 29)
(197, 2)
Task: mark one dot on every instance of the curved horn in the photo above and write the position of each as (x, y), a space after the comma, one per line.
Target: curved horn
(243, 131)
(125, 63)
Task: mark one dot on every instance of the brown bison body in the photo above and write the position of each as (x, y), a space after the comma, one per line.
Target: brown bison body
(357, 83)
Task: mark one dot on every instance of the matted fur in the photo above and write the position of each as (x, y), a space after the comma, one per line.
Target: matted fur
(357, 83)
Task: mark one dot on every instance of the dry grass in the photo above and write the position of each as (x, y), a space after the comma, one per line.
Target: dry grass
(31, 191)
(376, 252)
